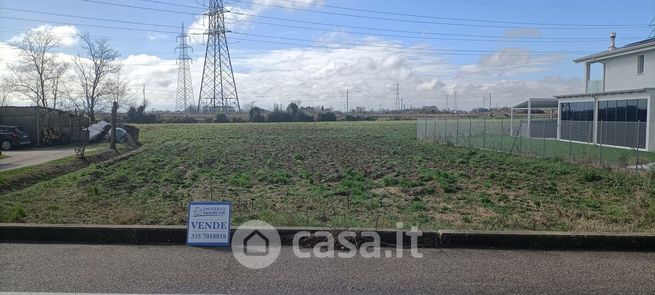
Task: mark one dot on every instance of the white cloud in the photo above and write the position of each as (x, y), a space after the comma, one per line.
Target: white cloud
(321, 75)
(157, 36)
(68, 35)
(238, 17)
(508, 62)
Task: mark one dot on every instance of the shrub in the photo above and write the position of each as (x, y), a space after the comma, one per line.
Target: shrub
(326, 117)
(221, 118)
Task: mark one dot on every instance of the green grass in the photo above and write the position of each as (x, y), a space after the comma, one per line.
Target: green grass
(40, 171)
(359, 174)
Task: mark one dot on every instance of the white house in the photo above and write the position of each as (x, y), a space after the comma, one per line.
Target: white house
(617, 106)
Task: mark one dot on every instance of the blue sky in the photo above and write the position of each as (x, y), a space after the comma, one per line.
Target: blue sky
(545, 37)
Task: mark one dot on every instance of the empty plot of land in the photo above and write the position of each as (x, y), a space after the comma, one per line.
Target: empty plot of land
(363, 174)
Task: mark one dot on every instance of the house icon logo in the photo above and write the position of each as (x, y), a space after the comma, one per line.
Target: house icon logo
(256, 244)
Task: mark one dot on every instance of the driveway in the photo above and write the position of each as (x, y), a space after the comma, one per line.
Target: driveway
(33, 156)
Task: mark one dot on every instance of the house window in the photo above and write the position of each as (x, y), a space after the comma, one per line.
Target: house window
(640, 65)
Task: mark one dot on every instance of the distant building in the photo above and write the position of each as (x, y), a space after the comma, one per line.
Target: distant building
(616, 107)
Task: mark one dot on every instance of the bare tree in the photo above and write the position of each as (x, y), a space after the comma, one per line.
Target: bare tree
(38, 74)
(93, 67)
(121, 91)
(57, 89)
(4, 95)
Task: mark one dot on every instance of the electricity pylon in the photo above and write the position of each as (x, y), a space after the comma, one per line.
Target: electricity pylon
(184, 85)
(398, 103)
(218, 90)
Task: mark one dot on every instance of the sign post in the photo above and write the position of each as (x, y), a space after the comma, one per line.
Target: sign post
(209, 224)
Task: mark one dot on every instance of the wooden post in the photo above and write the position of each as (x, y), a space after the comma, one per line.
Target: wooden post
(114, 122)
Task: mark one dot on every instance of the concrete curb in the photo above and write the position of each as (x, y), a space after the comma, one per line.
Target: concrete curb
(547, 240)
(176, 235)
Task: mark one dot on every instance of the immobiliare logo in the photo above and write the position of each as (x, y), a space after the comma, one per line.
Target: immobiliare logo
(209, 211)
(256, 244)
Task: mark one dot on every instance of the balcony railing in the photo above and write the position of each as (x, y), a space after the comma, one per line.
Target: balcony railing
(594, 86)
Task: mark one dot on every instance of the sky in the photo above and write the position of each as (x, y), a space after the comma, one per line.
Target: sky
(312, 51)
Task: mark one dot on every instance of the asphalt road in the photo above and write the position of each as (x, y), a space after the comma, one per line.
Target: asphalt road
(180, 269)
(32, 156)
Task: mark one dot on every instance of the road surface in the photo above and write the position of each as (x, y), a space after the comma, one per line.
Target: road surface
(181, 269)
(34, 156)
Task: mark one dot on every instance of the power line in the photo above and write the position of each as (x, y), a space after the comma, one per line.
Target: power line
(401, 31)
(441, 18)
(401, 14)
(387, 19)
(418, 49)
(293, 39)
(502, 39)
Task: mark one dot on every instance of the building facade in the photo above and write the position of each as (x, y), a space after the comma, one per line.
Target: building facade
(616, 107)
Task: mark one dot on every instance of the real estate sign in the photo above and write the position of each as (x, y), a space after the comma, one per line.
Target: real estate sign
(209, 224)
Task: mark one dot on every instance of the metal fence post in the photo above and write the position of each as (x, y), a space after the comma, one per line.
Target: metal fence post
(518, 133)
(470, 130)
(445, 130)
(434, 133)
(501, 135)
(425, 129)
(637, 148)
(600, 143)
(484, 133)
(457, 131)
(570, 141)
(543, 134)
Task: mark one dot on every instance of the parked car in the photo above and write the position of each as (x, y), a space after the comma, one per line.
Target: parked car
(12, 137)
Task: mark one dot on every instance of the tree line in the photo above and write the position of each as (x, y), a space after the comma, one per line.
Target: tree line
(90, 82)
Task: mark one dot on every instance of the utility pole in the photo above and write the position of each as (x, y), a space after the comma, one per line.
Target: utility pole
(489, 101)
(455, 101)
(218, 89)
(447, 97)
(144, 96)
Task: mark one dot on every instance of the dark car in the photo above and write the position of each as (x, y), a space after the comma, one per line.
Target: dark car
(13, 136)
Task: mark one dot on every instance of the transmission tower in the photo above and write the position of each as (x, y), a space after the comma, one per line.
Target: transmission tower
(218, 91)
(184, 86)
(398, 106)
(652, 26)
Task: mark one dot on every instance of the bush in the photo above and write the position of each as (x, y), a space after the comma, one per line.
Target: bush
(221, 118)
(359, 118)
(325, 117)
(138, 115)
(292, 114)
(185, 119)
(256, 115)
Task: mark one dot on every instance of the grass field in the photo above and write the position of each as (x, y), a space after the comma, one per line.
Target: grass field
(364, 174)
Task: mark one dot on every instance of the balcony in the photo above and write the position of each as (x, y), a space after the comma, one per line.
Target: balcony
(594, 86)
